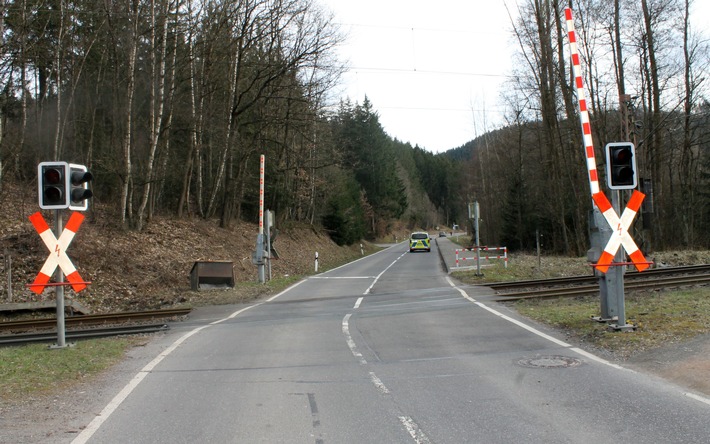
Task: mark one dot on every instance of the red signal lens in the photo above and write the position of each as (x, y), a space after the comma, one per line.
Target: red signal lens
(622, 155)
(52, 176)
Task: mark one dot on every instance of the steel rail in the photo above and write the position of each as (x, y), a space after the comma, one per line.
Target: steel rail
(580, 290)
(577, 280)
(568, 280)
(98, 319)
(30, 338)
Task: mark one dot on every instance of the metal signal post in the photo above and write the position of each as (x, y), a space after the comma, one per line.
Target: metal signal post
(60, 185)
(59, 277)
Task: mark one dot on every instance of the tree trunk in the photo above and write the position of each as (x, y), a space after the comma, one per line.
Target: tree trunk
(653, 141)
(126, 201)
(157, 103)
(57, 151)
(193, 155)
(688, 163)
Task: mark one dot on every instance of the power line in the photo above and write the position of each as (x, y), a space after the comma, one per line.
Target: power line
(424, 29)
(428, 71)
(412, 108)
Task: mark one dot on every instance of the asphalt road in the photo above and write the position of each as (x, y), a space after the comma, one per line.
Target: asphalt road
(387, 349)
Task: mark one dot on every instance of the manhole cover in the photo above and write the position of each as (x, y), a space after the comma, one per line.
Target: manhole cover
(549, 362)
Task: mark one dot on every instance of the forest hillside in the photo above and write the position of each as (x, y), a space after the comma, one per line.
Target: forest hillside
(149, 269)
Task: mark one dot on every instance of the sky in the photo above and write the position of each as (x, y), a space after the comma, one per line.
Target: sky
(433, 71)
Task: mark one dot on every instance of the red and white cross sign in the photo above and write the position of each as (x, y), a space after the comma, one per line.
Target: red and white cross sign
(57, 252)
(620, 234)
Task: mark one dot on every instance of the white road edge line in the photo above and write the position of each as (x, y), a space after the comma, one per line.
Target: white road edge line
(341, 277)
(698, 398)
(536, 331)
(112, 406)
(358, 260)
(577, 350)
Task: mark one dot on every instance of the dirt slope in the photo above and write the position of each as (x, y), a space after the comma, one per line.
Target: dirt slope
(132, 270)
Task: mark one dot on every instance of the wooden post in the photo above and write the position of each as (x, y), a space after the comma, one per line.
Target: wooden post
(8, 269)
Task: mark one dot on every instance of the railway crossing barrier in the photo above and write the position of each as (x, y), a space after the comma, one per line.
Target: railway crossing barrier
(503, 256)
(612, 282)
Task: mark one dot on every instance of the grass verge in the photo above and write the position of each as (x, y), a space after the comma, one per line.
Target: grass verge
(37, 370)
(661, 318)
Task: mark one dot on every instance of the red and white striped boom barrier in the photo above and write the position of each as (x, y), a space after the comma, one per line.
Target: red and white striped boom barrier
(503, 256)
(620, 226)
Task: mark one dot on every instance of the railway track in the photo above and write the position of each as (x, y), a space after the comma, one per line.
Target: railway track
(585, 285)
(29, 338)
(577, 280)
(87, 326)
(92, 320)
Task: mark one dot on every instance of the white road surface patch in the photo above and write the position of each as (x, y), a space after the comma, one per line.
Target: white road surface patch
(349, 339)
(414, 431)
(379, 384)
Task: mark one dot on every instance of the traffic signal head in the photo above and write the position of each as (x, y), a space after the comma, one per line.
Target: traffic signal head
(52, 185)
(63, 185)
(621, 166)
(79, 192)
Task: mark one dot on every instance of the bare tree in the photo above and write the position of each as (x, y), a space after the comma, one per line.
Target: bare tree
(158, 60)
(3, 56)
(133, 11)
(689, 162)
